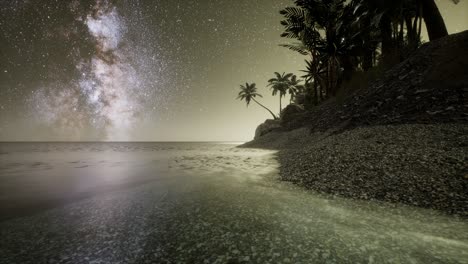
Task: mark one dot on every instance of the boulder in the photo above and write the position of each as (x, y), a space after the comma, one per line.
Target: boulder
(290, 111)
(268, 126)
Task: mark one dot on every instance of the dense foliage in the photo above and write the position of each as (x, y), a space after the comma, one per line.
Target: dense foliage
(350, 42)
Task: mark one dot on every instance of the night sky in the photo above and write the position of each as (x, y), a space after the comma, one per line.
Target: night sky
(143, 70)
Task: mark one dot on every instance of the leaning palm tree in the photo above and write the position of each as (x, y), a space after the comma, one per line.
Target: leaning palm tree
(434, 21)
(248, 93)
(280, 85)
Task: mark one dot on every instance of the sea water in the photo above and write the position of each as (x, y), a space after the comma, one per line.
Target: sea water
(196, 203)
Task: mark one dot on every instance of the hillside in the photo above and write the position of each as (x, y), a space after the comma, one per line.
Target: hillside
(431, 86)
(403, 140)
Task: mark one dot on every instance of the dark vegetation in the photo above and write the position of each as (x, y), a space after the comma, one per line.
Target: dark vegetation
(350, 44)
(429, 87)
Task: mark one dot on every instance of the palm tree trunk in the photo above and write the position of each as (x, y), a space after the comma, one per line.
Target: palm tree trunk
(411, 30)
(315, 92)
(401, 33)
(387, 40)
(274, 117)
(435, 24)
(348, 68)
(420, 24)
(367, 55)
(280, 105)
(332, 76)
(322, 87)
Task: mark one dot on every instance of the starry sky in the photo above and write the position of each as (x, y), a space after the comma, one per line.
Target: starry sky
(143, 70)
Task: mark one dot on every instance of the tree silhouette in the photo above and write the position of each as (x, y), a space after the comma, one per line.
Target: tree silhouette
(248, 93)
(294, 87)
(434, 21)
(280, 85)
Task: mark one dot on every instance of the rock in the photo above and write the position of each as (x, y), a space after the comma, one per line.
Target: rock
(401, 77)
(268, 126)
(450, 108)
(421, 91)
(433, 112)
(292, 116)
(289, 112)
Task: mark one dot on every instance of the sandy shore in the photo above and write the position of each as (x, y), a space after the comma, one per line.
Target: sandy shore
(419, 165)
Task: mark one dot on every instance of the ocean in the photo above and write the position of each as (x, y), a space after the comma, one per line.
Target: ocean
(197, 203)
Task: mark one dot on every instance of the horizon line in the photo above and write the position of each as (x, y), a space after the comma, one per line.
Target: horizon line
(79, 141)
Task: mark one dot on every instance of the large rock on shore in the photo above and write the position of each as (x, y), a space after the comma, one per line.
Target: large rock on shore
(268, 126)
(290, 114)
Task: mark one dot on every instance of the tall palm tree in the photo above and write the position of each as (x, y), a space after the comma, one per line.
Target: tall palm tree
(388, 10)
(280, 85)
(434, 21)
(248, 93)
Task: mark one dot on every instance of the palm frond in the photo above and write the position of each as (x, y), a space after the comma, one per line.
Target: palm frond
(287, 76)
(298, 47)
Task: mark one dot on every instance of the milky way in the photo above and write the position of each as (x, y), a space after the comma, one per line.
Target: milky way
(143, 69)
(109, 83)
(108, 93)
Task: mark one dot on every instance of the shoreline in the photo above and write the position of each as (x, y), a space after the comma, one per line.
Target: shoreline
(413, 164)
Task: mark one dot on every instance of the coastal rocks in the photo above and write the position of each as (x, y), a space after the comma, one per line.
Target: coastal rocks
(268, 126)
(291, 110)
(290, 114)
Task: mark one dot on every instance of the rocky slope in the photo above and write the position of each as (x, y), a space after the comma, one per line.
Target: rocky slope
(404, 139)
(431, 86)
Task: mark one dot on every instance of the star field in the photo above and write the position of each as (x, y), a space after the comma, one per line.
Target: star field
(140, 69)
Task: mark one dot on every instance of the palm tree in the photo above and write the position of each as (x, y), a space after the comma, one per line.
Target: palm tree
(434, 21)
(425, 9)
(327, 32)
(280, 85)
(294, 87)
(314, 74)
(248, 93)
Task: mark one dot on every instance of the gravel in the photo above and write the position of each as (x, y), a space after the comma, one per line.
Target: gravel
(413, 164)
